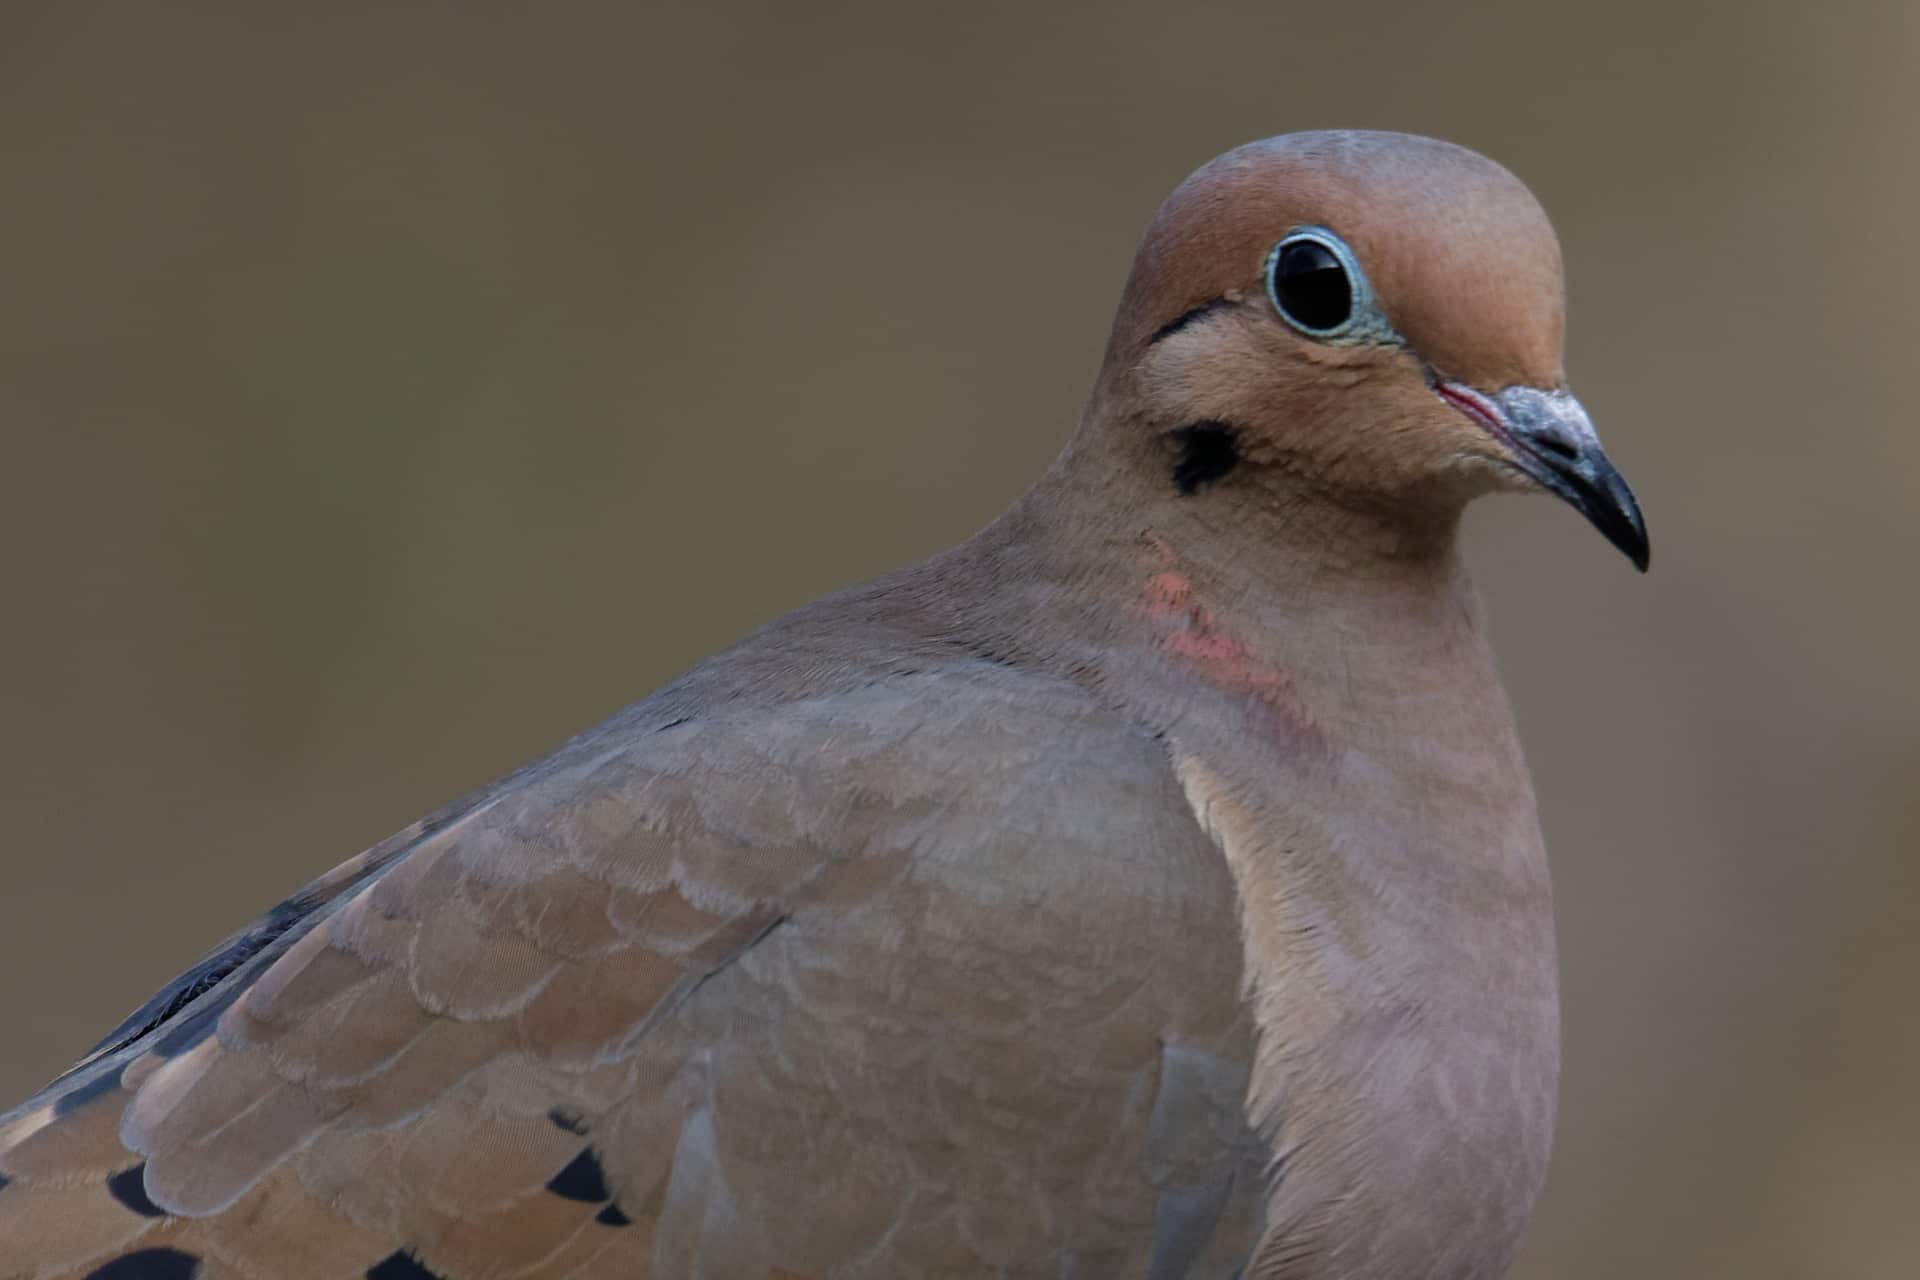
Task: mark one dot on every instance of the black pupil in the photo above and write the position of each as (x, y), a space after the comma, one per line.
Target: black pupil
(1311, 286)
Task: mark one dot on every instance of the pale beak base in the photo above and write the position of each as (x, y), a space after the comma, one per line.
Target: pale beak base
(1552, 439)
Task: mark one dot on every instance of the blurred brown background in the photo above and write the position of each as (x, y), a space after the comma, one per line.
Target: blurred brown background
(386, 395)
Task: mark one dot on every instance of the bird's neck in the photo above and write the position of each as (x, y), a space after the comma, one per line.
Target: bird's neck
(1175, 603)
(1295, 664)
(1332, 711)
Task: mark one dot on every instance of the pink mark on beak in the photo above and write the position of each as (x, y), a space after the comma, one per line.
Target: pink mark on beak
(1481, 409)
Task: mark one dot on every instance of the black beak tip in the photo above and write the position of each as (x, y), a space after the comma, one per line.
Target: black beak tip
(1615, 513)
(1556, 444)
(1640, 553)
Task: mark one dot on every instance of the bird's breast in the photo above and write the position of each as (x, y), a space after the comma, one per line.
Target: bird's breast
(1407, 1027)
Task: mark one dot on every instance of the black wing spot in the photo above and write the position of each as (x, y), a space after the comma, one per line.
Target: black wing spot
(149, 1264)
(400, 1265)
(582, 1180)
(1187, 317)
(4, 1180)
(1207, 451)
(98, 1087)
(129, 1187)
(569, 1119)
(612, 1217)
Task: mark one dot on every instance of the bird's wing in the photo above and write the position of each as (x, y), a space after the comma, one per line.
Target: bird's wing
(749, 995)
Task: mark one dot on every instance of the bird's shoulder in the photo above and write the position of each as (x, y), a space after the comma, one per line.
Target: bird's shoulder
(834, 741)
(880, 820)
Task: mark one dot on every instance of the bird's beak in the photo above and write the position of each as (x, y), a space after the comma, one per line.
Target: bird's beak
(1552, 439)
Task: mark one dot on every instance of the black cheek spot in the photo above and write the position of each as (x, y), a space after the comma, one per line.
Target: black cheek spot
(612, 1217)
(148, 1264)
(129, 1187)
(1206, 452)
(4, 1180)
(569, 1119)
(98, 1087)
(582, 1180)
(399, 1265)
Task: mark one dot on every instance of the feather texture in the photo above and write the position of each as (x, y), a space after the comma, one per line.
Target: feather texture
(683, 1003)
(1148, 887)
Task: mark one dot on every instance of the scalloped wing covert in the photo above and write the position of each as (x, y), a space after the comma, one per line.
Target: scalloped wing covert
(808, 991)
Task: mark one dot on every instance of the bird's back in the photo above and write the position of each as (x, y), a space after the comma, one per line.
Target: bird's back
(906, 963)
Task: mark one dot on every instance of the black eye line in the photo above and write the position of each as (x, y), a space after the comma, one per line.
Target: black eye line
(1187, 317)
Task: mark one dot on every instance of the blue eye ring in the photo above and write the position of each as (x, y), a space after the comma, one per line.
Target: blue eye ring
(1363, 320)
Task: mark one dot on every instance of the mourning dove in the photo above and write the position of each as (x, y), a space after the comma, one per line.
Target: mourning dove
(1150, 886)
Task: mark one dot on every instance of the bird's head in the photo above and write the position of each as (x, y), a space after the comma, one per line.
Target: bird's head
(1374, 316)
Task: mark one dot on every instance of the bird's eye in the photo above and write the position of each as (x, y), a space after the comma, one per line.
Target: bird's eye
(1316, 285)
